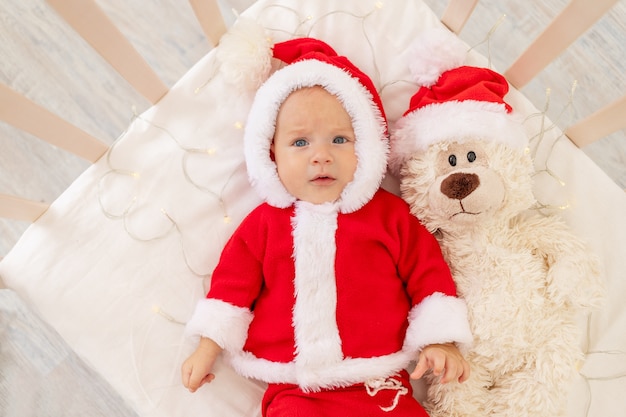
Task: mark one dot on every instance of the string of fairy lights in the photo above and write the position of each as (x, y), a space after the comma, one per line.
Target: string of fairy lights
(304, 25)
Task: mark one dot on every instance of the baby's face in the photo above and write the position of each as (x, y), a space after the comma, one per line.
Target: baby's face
(313, 146)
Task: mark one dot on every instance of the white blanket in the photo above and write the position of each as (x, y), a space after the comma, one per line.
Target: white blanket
(119, 260)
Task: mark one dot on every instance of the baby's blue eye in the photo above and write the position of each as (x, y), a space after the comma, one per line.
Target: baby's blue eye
(300, 142)
(340, 139)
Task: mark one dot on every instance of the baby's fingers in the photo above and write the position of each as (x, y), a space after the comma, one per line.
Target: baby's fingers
(423, 366)
(449, 373)
(194, 380)
(466, 371)
(455, 371)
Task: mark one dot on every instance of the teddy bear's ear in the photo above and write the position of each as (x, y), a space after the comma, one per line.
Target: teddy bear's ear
(436, 51)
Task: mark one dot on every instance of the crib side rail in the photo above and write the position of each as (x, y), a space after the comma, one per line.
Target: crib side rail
(19, 111)
(603, 122)
(457, 13)
(210, 19)
(99, 31)
(574, 19)
(17, 208)
(93, 25)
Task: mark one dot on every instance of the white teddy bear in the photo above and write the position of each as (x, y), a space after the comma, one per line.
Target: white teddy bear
(466, 173)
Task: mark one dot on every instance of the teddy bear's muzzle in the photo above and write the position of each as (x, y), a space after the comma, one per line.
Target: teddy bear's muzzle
(459, 185)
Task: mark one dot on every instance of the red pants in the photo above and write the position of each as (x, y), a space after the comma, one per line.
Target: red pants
(391, 397)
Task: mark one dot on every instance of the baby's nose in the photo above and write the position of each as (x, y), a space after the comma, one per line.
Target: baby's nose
(322, 155)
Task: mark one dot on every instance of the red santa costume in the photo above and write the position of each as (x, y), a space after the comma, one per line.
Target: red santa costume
(328, 303)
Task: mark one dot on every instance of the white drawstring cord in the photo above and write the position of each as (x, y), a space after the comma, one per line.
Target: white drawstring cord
(375, 385)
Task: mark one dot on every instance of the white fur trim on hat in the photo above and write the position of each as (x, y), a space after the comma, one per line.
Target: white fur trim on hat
(245, 55)
(454, 121)
(436, 51)
(371, 145)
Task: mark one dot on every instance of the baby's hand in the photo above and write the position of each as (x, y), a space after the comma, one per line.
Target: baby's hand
(196, 370)
(444, 360)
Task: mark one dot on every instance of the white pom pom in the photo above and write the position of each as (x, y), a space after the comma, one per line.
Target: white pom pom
(245, 54)
(435, 52)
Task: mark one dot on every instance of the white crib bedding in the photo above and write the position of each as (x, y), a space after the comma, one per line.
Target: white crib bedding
(118, 261)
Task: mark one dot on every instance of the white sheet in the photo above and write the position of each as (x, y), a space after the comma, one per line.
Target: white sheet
(110, 271)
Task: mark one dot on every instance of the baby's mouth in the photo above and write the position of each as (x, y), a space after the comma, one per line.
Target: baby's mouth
(322, 179)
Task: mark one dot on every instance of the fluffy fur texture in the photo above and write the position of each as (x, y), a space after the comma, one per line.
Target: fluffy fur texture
(464, 121)
(245, 55)
(525, 277)
(231, 331)
(315, 326)
(431, 320)
(371, 146)
(434, 55)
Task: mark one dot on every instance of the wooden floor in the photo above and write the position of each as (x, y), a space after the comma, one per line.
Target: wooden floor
(41, 57)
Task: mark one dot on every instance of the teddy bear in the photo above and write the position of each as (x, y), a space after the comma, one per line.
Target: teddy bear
(461, 155)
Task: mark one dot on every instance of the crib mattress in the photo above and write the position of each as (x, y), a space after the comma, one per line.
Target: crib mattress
(117, 263)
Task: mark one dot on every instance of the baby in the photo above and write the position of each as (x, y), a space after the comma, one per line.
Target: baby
(330, 288)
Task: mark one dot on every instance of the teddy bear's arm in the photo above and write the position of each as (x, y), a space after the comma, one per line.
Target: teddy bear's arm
(572, 270)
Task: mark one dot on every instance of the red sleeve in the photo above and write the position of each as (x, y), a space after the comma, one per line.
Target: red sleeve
(421, 262)
(238, 276)
(437, 315)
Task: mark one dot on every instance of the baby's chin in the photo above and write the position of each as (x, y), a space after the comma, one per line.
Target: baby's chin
(320, 194)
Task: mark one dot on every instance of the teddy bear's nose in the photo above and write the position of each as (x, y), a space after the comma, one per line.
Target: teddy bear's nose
(459, 185)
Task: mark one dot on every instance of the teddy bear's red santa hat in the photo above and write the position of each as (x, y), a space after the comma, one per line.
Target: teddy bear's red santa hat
(455, 102)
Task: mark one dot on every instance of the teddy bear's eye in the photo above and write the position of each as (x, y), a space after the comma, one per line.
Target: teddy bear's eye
(452, 160)
(471, 156)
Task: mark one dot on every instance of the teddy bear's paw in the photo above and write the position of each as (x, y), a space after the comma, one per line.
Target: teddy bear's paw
(576, 282)
(455, 399)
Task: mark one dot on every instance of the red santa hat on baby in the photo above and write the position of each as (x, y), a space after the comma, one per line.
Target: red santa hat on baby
(311, 62)
(455, 103)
